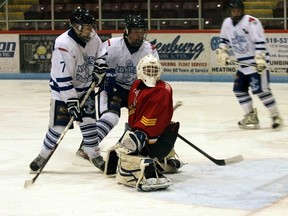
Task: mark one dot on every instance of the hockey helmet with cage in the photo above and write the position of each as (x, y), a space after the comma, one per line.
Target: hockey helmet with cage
(81, 18)
(149, 70)
(236, 4)
(135, 22)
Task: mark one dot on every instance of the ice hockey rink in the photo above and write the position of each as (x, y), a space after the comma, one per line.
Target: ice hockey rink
(257, 186)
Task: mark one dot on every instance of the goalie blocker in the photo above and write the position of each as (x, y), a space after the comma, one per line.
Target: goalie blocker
(143, 167)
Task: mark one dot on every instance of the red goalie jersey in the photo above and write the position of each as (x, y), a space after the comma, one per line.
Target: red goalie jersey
(150, 109)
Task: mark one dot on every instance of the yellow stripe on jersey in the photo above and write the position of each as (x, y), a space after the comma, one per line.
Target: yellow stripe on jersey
(148, 122)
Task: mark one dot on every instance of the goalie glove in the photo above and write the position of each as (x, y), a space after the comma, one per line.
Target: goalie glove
(260, 62)
(222, 56)
(98, 73)
(74, 110)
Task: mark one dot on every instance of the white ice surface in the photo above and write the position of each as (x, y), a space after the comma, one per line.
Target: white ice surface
(258, 186)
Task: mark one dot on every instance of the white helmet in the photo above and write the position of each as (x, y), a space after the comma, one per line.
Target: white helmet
(148, 70)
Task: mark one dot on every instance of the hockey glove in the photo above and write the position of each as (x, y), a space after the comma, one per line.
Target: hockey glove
(74, 110)
(99, 73)
(222, 56)
(260, 62)
(110, 81)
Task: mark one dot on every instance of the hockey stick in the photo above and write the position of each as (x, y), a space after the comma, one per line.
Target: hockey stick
(220, 162)
(178, 104)
(242, 63)
(30, 182)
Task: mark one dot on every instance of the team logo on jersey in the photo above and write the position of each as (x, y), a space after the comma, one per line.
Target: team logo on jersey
(132, 106)
(239, 43)
(84, 71)
(127, 73)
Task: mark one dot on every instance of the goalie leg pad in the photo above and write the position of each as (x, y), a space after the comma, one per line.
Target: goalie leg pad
(111, 162)
(140, 173)
(133, 141)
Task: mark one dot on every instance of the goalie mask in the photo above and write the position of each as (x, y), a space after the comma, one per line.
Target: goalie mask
(135, 30)
(236, 8)
(148, 70)
(83, 23)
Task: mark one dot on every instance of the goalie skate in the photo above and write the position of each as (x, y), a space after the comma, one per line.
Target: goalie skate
(250, 121)
(153, 184)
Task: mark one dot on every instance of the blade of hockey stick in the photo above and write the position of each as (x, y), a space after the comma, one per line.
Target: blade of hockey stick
(31, 182)
(28, 183)
(220, 162)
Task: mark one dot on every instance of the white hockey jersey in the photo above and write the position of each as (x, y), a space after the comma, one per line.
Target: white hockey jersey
(245, 39)
(72, 65)
(123, 62)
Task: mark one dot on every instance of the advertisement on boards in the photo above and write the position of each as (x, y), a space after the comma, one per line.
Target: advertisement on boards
(278, 47)
(180, 53)
(188, 53)
(9, 53)
(36, 52)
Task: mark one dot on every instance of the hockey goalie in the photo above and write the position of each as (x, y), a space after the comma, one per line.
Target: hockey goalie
(146, 149)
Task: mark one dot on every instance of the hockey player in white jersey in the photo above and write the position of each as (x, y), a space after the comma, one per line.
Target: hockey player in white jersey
(123, 55)
(243, 35)
(76, 62)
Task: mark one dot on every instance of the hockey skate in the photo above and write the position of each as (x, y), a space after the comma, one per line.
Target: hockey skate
(99, 163)
(80, 152)
(37, 163)
(250, 121)
(277, 122)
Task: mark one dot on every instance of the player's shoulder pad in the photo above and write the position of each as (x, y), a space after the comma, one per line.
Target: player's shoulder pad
(252, 20)
(112, 41)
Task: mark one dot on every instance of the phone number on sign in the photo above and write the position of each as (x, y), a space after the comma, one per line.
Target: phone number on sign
(276, 40)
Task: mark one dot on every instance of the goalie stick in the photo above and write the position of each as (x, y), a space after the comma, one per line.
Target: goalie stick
(220, 162)
(178, 104)
(31, 181)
